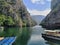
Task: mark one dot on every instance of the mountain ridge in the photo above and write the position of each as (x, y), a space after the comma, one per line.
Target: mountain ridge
(37, 18)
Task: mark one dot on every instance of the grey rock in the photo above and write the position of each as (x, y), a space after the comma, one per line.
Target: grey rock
(52, 20)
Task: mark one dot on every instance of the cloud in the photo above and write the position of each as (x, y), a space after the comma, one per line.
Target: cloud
(39, 1)
(37, 12)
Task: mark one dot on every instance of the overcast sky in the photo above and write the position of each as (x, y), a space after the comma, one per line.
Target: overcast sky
(38, 7)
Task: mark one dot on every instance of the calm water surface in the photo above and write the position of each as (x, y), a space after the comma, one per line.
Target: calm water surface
(25, 37)
(36, 38)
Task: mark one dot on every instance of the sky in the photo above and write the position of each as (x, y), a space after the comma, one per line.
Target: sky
(38, 7)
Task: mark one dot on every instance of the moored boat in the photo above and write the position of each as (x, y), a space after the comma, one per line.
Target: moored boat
(51, 35)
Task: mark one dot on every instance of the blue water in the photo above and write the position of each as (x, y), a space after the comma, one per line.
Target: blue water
(36, 37)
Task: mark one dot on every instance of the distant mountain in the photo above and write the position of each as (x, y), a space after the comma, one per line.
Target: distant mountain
(37, 18)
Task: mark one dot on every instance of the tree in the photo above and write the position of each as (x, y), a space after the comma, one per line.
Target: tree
(2, 19)
(8, 20)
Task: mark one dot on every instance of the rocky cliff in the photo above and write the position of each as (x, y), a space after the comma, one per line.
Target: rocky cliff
(16, 10)
(52, 20)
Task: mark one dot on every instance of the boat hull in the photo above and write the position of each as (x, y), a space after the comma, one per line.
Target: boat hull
(51, 38)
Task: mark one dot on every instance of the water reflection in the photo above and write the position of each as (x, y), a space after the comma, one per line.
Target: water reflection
(22, 34)
(29, 36)
(37, 39)
(53, 42)
(24, 37)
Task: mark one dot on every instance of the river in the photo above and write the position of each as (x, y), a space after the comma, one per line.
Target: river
(36, 37)
(29, 36)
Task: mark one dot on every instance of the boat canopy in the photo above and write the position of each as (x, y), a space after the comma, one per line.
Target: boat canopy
(52, 30)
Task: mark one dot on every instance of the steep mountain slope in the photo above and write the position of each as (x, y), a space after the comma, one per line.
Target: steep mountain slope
(52, 20)
(38, 18)
(16, 10)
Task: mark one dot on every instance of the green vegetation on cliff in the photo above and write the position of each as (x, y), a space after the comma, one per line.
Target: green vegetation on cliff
(6, 20)
(16, 13)
(13, 13)
(13, 16)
